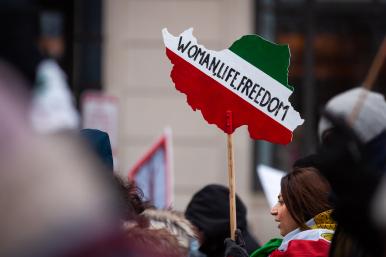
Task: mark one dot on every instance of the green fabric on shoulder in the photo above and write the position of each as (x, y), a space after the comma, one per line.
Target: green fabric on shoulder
(267, 248)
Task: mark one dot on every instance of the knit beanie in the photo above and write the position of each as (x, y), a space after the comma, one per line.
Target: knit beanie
(208, 210)
(371, 119)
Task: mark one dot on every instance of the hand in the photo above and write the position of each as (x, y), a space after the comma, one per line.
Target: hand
(235, 248)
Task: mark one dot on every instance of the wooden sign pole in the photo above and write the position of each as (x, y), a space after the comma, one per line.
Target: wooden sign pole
(231, 176)
(369, 81)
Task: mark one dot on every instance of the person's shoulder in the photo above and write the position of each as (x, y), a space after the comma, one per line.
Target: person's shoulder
(305, 243)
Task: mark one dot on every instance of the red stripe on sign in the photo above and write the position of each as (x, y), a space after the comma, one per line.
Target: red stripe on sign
(206, 94)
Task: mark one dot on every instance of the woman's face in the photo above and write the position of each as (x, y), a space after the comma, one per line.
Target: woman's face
(282, 215)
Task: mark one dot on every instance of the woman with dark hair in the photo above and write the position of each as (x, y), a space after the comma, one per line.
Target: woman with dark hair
(303, 213)
(304, 194)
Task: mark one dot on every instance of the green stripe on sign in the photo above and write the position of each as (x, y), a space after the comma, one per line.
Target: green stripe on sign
(271, 58)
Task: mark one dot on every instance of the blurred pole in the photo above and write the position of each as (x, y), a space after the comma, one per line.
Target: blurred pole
(371, 77)
(309, 87)
(265, 20)
(267, 30)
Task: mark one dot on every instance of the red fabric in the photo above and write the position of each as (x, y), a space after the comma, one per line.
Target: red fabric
(304, 248)
(213, 100)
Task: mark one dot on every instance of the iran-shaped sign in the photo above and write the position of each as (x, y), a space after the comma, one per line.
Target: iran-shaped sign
(249, 79)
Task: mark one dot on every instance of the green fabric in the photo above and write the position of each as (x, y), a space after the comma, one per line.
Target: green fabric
(271, 58)
(267, 248)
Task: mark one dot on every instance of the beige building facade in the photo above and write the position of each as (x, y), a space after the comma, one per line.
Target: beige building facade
(137, 71)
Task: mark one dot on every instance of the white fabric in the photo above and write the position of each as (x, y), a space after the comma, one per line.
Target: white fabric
(52, 105)
(310, 234)
(371, 119)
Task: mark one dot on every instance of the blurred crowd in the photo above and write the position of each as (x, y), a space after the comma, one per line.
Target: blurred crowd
(59, 193)
(60, 197)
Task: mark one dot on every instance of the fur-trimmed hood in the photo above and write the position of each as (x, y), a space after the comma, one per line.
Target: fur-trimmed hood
(172, 221)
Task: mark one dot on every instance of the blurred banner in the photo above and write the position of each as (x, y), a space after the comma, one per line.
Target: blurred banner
(100, 111)
(270, 180)
(153, 173)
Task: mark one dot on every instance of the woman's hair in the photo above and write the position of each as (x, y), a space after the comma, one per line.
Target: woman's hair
(305, 193)
(132, 199)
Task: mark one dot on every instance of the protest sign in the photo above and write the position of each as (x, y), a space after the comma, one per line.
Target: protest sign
(100, 111)
(153, 172)
(246, 84)
(270, 180)
(249, 79)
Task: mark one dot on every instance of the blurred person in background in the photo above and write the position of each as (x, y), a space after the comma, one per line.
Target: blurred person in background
(58, 196)
(22, 25)
(208, 211)
(54, 199)
(353, 158)
(173, 232)
(132, 199)
(53, 105)
(98, 142)
(51, 42)
(303, 213)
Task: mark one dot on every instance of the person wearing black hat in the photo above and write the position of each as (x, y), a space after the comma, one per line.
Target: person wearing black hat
(208, 210)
